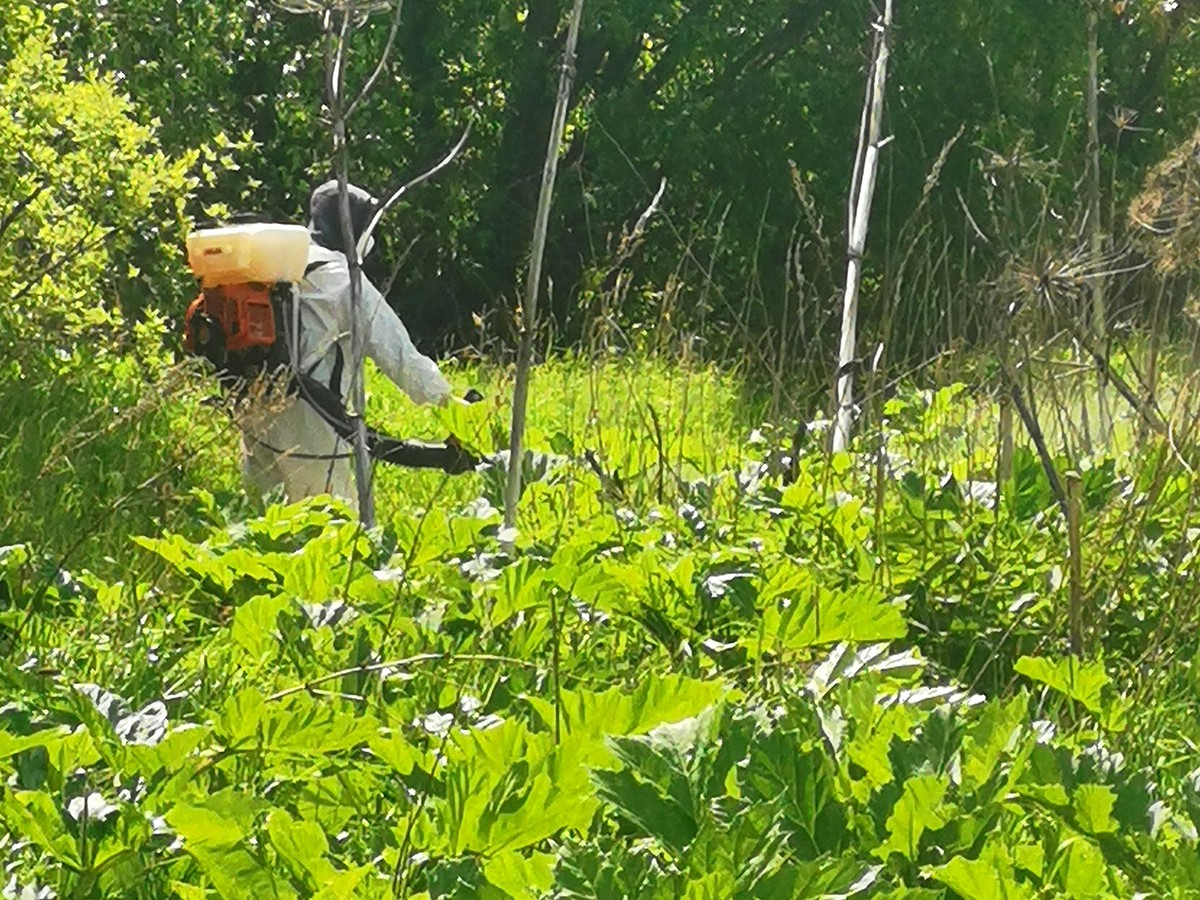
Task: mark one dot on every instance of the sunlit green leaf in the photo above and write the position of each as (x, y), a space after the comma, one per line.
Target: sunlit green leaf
(801, 613)
(988, 739)
(302, 846)
(918, 809)
(1093, 805)
(1083, 870)
(1078, 680)
(521, 877)
(33, 815)
(215, 832)
(254, 625)
(979, 879)
(654, 700)
(506, 789)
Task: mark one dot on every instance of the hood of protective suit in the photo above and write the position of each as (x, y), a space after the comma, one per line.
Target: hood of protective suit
(325, 221)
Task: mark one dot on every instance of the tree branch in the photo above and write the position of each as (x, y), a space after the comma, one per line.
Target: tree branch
(675, 55)
(403, 189)
(802, 17)
(379, 67)
(21, 205)
(399, 664)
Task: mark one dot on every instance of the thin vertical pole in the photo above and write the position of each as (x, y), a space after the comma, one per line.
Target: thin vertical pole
(512, 490)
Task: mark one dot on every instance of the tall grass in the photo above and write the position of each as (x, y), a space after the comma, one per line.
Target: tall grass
(648, 416)
(94, 450)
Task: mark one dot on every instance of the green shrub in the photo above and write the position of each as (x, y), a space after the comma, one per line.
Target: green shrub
(87, 192)
(96, 427)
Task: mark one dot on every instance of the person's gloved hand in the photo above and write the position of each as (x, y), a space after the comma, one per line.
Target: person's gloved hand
(461, 460)
(470, 397)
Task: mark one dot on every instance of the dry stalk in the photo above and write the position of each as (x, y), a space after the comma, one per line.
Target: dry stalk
(862, 194)
(512, 490)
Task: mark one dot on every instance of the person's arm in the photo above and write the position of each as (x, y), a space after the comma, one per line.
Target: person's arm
(389, 345)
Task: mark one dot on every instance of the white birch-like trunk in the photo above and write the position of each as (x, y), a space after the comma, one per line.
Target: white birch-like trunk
(512, 491)
(866, 168)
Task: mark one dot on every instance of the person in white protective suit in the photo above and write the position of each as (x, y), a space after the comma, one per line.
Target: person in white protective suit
(290, 443)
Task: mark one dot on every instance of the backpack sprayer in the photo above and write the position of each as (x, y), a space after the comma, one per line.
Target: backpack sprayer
(250, 278)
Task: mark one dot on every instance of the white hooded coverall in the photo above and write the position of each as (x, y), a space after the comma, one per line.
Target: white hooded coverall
(288, 442)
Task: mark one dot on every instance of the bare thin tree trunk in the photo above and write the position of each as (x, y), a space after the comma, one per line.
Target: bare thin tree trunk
(1075, 561)
(1099, 313)
(512, 490)
(864, 180)
(336, 90)
(336, 39)
(1004, 454)
(337, 35)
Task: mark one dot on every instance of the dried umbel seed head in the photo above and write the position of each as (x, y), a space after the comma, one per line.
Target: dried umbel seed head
(1164, 215)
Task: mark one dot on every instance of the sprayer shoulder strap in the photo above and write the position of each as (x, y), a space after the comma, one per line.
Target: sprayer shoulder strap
(339, 362)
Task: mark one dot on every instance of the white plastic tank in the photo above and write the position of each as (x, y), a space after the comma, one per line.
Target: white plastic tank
(238, 254)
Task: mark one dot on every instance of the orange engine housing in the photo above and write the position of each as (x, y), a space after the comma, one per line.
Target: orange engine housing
(245, 312)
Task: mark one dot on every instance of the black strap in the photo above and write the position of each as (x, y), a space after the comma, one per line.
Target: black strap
(335, 378)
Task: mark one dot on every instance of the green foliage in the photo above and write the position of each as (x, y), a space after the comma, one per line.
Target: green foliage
(712, 695)
(93, 207)
(715, 668)
(1079, 681)
(93, 445)
(722, 99)
(91, 227)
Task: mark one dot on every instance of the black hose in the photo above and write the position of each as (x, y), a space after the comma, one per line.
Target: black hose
(449, 456)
